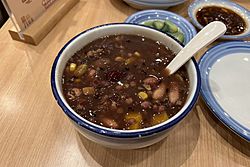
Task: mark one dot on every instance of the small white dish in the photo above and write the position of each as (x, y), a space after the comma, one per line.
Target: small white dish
(241, 11)
(225, 73)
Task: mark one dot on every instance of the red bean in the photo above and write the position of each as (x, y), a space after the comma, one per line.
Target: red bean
(129, 100)
(115, 76)
(109, 123)
(146, 104)
(118, 87)
(102, 62)
(173, 93)
(159, 92)
(120, 110)
(151, 81)
(76, 91)
(161, 108)
(92, 72)
(113, 106)
(155, 107)
(133, 83)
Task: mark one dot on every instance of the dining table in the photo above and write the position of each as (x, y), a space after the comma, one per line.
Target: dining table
(35, 132)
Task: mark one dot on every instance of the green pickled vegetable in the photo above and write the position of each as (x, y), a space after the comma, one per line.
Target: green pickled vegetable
(179, 36)
(149, 24)
(167, 27)
(158, 25)
(171, 27)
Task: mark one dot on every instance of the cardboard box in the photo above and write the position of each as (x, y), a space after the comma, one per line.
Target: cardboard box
(27, 11)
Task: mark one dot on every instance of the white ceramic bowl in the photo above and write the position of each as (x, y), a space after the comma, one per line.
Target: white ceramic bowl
(159, 1)
(152, 5)
(244, 13)
(121, 139)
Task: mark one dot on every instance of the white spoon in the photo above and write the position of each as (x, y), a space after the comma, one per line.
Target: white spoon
(207, 35)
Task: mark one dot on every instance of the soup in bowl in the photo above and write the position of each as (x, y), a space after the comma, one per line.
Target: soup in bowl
(111, 82)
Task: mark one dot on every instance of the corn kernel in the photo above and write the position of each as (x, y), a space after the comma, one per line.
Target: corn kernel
(126, 85)
(119, 59)
(78, 80)
(143, 95)
(147, 87)
(72, 67)
(137, 54)
(130, 60)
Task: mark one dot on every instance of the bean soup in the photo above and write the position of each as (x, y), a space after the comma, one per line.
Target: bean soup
(118, 81)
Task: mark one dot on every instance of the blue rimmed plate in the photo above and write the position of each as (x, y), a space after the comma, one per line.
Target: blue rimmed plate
(225, 74)
(244, 13)
(149, 15)
(143, 4)
(160, 1)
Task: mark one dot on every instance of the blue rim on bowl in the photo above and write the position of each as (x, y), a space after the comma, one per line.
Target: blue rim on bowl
(110, 132)
(243, 12)
(159, 1)
(206, 64)
(185, 26)
(141, 4)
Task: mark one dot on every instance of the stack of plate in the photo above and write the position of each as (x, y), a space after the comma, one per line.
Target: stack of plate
(160, 4)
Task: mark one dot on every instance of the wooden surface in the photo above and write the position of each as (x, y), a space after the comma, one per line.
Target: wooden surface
(35, 132)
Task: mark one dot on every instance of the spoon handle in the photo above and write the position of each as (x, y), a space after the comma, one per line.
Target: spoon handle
(206, 36)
